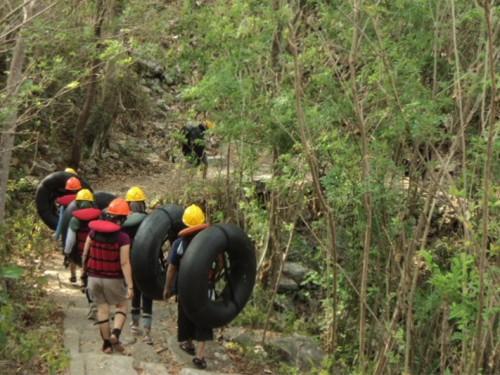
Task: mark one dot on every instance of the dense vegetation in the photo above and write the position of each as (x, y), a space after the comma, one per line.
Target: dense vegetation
(377, 119)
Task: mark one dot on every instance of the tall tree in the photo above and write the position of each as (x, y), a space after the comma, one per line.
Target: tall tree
(9, 108)
(83, 118)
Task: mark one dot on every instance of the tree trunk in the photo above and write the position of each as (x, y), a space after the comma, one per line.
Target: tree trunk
(277, 282)
(81, 123)
(367, 197)
(479, 352)
(274, 244)
(8, 129)
(326, 209)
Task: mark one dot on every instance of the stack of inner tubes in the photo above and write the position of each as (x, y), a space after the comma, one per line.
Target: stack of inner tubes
(49, 189)
(220, 242)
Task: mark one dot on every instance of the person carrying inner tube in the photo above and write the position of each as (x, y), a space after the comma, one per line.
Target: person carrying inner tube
(187, 331)
(78, 230)
(193, 145)
(136, 200)
(106, 261)
(72, 187)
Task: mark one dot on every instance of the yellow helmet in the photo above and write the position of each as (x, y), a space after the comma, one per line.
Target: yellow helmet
(135, 194)
(209, 124)
(70, 170)
(193, 215)
(85, 195)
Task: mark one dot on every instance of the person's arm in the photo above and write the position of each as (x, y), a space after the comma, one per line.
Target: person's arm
(126, 269)
(85, 254)
(70, 241)
(169, 283)
(58, 232)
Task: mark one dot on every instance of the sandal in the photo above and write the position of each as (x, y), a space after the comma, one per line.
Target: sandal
(189, 349)
(200, 363)
(118, 347)
(107, 347)
(147, 340)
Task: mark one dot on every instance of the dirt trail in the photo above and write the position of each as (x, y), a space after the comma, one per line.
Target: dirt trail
(162, 180)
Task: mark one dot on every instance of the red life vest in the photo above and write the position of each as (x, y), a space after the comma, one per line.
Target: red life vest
(84, 215)
(65, 200)
(104, 254)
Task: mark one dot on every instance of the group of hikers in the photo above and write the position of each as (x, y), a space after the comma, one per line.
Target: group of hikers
(100, 242)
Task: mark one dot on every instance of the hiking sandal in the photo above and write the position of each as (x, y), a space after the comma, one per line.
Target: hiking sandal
(200, 363)
(134, 328)
(147, 339)
(189, 349)
(118, 347)
(107, 347)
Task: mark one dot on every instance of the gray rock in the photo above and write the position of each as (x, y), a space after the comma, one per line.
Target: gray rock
(295, 271)
(115, 147)
(90, 165)
(221, 356)
(192, 371)
(148, 368)
(287, 285)
(300, 351)
(112, 364)
(244, 339)
(162, 106)
(43, 167)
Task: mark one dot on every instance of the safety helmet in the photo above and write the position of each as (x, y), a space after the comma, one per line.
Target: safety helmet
(70, 170)
(119, 207)
(193, 215)
(73, 184)
(85, 195)
(135, 194)
(209, 124)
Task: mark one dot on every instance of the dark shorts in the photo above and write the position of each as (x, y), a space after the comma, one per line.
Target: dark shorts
(187, 330)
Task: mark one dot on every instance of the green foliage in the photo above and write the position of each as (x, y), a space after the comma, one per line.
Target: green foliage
(30, 336)
(234, 61)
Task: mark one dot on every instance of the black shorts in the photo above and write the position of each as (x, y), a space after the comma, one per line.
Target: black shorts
(187, 330)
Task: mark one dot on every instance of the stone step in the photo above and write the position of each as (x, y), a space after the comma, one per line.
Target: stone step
(91, 364)
(149, 368)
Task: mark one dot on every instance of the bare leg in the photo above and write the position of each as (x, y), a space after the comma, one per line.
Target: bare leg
(120, 318)
(104, 327)
(120, 315)
(200, 349)
(72, 270)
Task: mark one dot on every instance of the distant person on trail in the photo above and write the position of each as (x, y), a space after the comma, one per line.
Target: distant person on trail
(106, 261)
(193, 145)
(187, 331)
(136, 200)
(78, 230)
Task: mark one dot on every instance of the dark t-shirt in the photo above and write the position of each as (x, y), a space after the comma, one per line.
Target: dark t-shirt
(179, 248)
(194, 133)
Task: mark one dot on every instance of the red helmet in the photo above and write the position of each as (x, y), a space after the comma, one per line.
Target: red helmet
(119, 206)
(73, 184)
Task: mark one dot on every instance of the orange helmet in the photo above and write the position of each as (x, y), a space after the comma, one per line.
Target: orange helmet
(119, 206)
(73, 184)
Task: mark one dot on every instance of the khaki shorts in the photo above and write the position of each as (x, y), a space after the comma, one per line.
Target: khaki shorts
(107, 291)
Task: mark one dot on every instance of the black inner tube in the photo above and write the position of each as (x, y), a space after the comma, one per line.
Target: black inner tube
(147, 258)
(237, 276)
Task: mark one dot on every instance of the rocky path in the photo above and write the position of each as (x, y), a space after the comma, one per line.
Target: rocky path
(83, 343)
